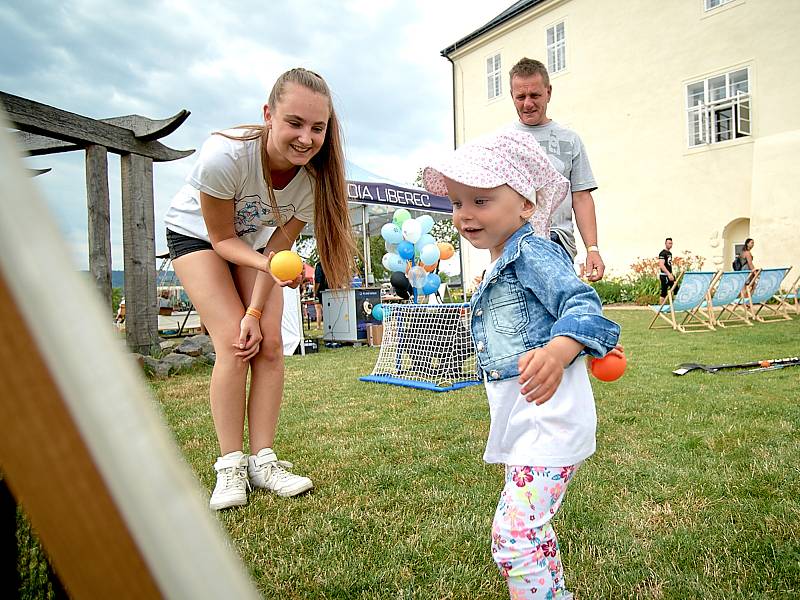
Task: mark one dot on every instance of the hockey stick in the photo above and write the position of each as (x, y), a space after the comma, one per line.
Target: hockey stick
(770, 368)
(687, 367)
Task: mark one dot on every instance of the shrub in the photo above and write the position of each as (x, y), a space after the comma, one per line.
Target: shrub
(641, 284)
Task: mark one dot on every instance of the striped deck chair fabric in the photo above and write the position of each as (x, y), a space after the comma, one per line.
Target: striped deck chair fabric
(727, 297)
(694, 290)
(768, 286)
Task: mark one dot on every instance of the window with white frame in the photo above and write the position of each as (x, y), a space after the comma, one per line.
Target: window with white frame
(718, 108)
(556, 48)
(712, 4)
(493, 77)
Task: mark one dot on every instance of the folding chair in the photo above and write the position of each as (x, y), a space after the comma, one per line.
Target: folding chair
(793, 296)
(694, 289)
(767, 287)
(726, 297)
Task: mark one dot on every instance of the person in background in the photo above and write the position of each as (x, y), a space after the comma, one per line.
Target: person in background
(252, 190)
(531, 92)
(665, 275)
(320, 285)
(745, 259)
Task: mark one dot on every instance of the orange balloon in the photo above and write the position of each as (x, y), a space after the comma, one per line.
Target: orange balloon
(446, 250)
(430, 268)
(609, 368)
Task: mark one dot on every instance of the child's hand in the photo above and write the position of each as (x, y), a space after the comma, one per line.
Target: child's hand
(540, 373)
(615, 351)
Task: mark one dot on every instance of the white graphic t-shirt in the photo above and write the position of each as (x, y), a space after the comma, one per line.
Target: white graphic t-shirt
(568, 155)
(231, 169)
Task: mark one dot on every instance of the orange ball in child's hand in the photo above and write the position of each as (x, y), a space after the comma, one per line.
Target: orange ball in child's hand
(609, 368)
(286, 265)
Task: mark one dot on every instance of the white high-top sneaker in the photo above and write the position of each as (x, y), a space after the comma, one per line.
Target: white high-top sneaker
(232, 482)
(269, 473)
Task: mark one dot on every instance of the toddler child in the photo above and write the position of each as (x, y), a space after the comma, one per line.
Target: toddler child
(531, 318)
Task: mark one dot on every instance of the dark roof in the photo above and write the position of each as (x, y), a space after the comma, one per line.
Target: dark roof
(512, 11)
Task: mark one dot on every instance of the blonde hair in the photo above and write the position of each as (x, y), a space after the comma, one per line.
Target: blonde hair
(528, 67)
(332, 231)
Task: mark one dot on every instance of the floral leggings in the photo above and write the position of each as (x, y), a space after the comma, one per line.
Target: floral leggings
(524, 543)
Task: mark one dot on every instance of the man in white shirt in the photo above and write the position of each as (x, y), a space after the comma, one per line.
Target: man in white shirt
(531, 92)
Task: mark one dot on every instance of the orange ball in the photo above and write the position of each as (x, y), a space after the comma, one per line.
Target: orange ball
(608, 368)
(286, 265)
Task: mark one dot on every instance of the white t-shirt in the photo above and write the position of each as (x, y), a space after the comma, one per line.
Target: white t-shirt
(231, 169)
(559, 433)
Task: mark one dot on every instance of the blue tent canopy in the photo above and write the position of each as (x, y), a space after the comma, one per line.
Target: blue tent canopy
(367, 188)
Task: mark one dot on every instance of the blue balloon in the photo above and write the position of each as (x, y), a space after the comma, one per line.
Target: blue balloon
(432, 283)
(395, 263)
(392, 233)
(377, 312)
(424, 240)
(406, 250)
(430, 254)
(426, 221)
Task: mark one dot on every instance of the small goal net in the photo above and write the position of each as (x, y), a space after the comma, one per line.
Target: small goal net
(426, 346)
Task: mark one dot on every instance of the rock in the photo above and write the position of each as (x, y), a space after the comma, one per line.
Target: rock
(178, 363)
(157, 368)
(195, 346)
(167, 346)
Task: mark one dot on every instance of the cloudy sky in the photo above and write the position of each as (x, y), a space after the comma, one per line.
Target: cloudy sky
(381, 58)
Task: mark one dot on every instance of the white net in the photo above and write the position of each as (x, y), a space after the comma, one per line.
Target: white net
(427, 346)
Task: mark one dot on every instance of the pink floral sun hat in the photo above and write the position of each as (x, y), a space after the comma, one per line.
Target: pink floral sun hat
(510, 157)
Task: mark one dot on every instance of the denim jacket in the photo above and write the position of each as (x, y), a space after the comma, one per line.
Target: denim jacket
(531, 296)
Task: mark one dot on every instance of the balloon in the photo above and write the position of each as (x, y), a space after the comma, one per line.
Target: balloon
(429, 254)
(401, 285)
(391, 247)
(405, 250)
(286, 265)
(426, 222)
(417, 277)
(432, 283)
(377, 312)
(412, 230)
(430, 268)
(446, 250)
(401, 215)
(424, 240)
(392, 233)
(393, 262)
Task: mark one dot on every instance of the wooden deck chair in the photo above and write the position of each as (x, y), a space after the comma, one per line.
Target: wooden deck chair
(792, 297)
(83, 446)
(727, 297)
(694, 289)
(768, 287)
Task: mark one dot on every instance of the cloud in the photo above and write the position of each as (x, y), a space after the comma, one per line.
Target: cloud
(100, 59)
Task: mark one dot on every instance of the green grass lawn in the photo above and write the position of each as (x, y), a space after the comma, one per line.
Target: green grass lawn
(694, 491)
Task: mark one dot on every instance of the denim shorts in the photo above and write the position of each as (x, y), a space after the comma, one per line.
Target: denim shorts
(180, 244)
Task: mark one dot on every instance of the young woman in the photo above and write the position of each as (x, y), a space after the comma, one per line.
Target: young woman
(250, 194)
(746, 255)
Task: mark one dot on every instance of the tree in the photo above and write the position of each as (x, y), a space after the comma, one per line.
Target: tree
(444, 230)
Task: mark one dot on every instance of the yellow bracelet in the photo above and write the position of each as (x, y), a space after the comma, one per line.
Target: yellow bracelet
(253, 312)
(592, 249)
